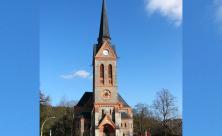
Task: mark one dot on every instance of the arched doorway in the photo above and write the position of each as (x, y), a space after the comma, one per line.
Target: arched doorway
(107, 130)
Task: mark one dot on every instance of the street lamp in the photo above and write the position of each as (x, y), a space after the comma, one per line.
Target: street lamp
(45, 122)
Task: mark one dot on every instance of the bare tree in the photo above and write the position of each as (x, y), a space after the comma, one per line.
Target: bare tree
(143, 118)
(67, 103)
(165, 108)
(69, 106)
(44, 100)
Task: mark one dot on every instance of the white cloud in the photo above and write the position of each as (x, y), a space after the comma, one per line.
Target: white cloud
(172, 9)
(79, 73)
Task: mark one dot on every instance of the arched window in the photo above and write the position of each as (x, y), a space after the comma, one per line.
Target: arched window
(110, 74)
(102, 112)
(102, 74)
(125, 125)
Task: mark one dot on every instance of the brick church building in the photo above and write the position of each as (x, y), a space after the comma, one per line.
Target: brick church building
(103, 112)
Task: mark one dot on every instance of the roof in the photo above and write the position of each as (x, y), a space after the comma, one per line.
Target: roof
(125, 115)
(86, 114)
(106, 119)
(85, 98)
(104, 27)
(88, 97)
(103, 31)
(123, 101)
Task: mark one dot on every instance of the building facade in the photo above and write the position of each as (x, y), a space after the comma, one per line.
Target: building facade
(103, 112)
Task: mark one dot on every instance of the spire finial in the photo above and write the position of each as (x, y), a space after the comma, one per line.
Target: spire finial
(104, 28)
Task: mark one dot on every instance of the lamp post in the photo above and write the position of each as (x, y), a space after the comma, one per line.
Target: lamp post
(45, 122)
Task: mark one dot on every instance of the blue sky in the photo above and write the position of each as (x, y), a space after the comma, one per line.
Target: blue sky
(148, 38)
(19, 57)
(202, 68)
(67, 32)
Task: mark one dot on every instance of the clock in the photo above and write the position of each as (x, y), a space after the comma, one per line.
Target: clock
(105, 52)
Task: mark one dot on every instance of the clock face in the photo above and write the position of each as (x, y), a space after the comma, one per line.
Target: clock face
(105, 52)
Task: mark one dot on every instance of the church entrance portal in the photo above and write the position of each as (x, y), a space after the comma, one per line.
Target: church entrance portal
(107, 130)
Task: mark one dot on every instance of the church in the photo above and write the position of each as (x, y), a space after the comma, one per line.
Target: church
(103, 112)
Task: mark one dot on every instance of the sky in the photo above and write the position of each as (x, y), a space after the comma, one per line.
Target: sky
(19, 57)
(202, 68)
(147, 35)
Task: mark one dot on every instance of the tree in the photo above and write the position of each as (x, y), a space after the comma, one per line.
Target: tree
(44, 100)
(143, 118)
(65, 118)
(165, 108)
(67, 103)
(46, 111)
(63, 126)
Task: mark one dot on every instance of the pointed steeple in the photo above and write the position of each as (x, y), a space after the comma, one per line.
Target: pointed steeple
(104, 28)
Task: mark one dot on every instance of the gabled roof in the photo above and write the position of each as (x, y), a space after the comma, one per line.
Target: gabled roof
(106, 119)
(85, 98)
(96, 48)
(122, 101)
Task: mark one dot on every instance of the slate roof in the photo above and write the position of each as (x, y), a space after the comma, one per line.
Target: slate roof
(86, 114)
(85, 98)
(88, 97)
(123, 101)
(103, 31)
(125, 115)
(104, 27)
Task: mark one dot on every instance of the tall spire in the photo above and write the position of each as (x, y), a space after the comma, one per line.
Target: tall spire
(104, 28)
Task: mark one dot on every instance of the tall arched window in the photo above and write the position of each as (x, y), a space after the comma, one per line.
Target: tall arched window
(102, 74)
(102, 112)
(110, 74)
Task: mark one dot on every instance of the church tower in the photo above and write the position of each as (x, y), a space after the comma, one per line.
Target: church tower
(104, 64)
(103, 112)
